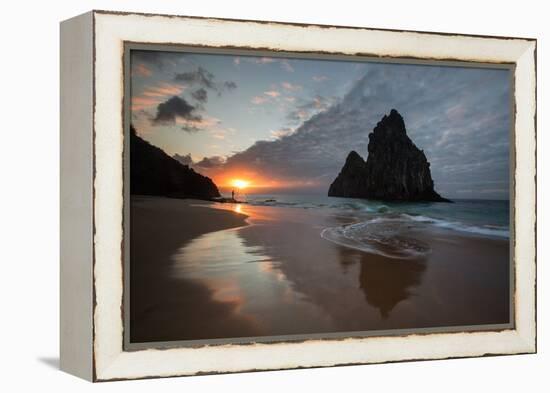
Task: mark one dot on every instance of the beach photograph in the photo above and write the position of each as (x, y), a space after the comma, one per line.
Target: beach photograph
(276, 198)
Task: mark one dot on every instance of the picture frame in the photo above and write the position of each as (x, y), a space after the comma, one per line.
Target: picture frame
(95, 191)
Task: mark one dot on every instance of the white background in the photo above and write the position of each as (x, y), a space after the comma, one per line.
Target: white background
(29, 197)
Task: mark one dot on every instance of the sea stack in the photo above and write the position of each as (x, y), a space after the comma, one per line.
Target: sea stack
(395, 170)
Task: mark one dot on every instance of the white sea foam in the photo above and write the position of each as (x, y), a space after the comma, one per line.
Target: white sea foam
(487, 230)
(378, 236)
(390, 235)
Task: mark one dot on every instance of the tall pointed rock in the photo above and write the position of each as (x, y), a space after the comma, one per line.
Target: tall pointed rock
(395, 170)
(350, 183)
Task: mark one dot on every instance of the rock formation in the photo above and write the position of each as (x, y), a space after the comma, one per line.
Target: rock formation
(395, 170)
(153, 172)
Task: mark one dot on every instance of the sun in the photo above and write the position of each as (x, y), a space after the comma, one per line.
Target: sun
(239, 183)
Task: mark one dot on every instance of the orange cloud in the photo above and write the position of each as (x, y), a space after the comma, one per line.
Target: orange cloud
(164, 90)
(154, 95)
(202, 123)
(258, 100)
(139, 103)
(141, 70)
(291, 86)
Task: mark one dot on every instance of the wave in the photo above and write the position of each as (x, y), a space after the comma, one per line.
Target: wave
(349, 206)
(487, 230)
(390, 235)
(378, 236)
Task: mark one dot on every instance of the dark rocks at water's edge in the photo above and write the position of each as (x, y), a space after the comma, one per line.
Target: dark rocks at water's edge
(153, 172)
(227, 200)
(395, 170)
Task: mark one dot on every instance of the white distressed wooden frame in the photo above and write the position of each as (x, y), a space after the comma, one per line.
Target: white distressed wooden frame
(92, 194)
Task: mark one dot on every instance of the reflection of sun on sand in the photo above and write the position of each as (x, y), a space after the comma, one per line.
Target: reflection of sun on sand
(243, 274)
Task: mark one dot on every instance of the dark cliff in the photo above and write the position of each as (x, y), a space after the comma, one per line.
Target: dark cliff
(153, 172)
(395, 170)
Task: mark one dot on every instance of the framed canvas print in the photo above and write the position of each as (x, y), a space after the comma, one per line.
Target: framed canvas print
(246, 195)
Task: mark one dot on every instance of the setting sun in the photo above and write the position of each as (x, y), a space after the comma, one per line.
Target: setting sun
(240, 184)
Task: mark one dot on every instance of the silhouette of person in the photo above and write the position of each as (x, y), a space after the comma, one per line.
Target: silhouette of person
(233, 194)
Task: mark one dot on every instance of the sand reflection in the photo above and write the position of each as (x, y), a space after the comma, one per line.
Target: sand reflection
(247, 277)
(385, 282)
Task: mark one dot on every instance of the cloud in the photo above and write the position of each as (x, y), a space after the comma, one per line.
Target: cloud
(162, 90)
(141, 103)
(153, 95)
(200, 77)
(157, 59)
(172, 109)
(210, 162)
(141, 69)
(459, 116)
(229, 85)
(307, 108)
(298, 115)
(184, 159)
(200, 95)
(205, 79)
(283, 63)
(276, 134)
(221, 133)
(200, 123)
(148, 57)
(319, 78)
(259, 100)
(205, 163)
(291, 86)
(286, 66)
(266, 97)
(265, 60)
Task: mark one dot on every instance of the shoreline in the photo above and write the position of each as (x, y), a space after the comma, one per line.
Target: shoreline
(266, 271)
(159, 227)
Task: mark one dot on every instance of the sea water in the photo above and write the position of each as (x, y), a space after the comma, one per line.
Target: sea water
(476, 216)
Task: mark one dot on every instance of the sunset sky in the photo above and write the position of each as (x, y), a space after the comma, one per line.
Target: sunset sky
(287, 125)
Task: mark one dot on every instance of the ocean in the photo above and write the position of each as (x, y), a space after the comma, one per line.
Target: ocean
(387, 228)
(475, 216)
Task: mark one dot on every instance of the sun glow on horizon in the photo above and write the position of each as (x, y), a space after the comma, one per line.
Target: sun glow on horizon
(240, 184)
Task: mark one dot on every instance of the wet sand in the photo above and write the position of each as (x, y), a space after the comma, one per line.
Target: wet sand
(204, 271)
(164, 308)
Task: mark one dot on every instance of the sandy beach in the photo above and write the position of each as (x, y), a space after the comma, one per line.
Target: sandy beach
(202, 270)
(164, 308)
